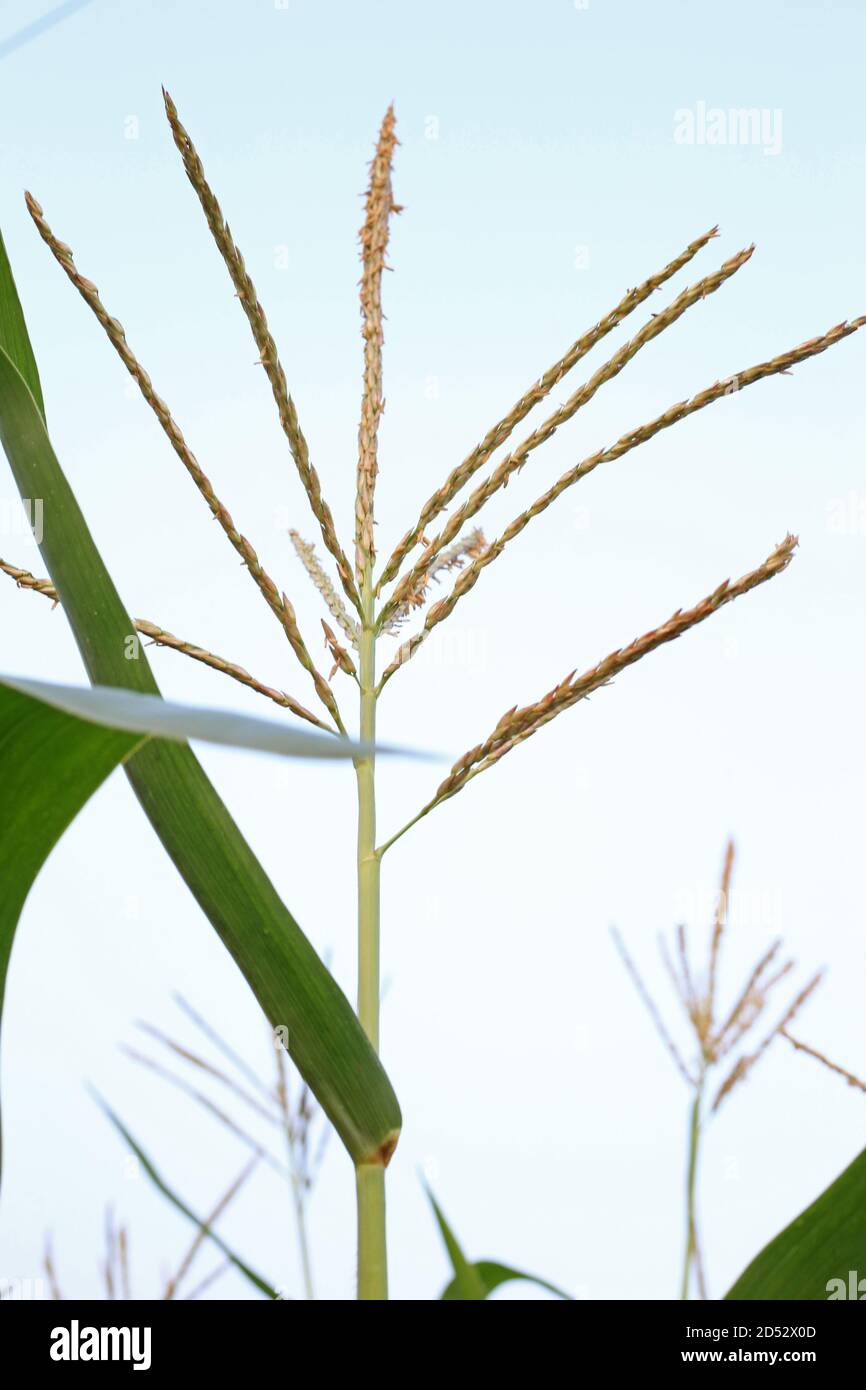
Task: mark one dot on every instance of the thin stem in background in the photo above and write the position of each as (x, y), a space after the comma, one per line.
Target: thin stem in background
(219, 1042)
(51, 1272)
(201, 1234)
(693, 1254)
(199, 1097)
(296, 1177)
(207, 1281)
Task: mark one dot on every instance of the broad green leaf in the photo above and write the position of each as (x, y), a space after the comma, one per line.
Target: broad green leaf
(825, 1243)
(292, 985)
(492, 1275)
(476, 1280)
(51, 765)
(153, 716)
(261, 1284)
(13, 330)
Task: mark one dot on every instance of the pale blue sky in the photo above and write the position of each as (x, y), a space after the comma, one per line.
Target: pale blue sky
(532, 1086)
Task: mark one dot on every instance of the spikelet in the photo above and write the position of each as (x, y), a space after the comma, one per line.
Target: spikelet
(651, 1007)
(342, 661)
(632, 440)
(25, 580)
(692, 1001)
(278, 603)
(824, 1060)
(228, 668)
(676, 979)
(714, 1039)
(520, 724)
(748, 1004)
(753, 1006)
(159, 636)
(469, 547)
(309, 559)
(323, 689)
(501, 431)
(268, 354)
(719, 924)
(374, 243)
(745, 1064)
(514, 461)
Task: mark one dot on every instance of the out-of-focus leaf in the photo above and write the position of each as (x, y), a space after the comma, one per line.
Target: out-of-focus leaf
(156, 1178)
(467, 1282)
(814, 1257)
(150, 715)
(476, 1280)
(492, 1275)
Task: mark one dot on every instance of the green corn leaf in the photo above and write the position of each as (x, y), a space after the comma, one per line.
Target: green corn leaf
(477, 1280)
(492, 1275)
(467, 1283)
(158, 718)
(159, 1182)
(822, 1254)
(51, 765)
(14, 337)
(293, 987)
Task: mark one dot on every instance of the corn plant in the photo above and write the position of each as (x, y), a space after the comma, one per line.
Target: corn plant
(368, 605)
(718, 1038)
(823, 1239)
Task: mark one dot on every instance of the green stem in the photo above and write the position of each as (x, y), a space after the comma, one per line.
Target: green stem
(372, 1257)
(372, 1252)
(368, 860)
(692, 1250)
(301, 1223)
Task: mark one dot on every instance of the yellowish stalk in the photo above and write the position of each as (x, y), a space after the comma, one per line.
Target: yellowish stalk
(370, 1177)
